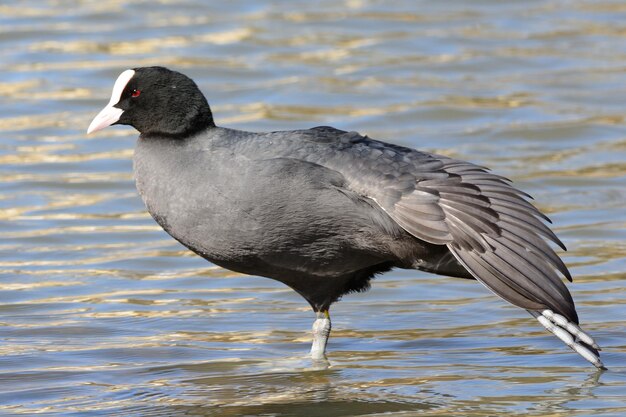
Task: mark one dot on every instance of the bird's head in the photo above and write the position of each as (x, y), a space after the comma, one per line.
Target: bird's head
(155, 101)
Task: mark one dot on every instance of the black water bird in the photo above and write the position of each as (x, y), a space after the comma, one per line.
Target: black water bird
(324, 210)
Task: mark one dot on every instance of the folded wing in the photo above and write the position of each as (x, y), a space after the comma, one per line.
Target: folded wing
(489, 225)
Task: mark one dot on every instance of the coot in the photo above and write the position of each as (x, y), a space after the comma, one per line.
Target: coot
(323, 210)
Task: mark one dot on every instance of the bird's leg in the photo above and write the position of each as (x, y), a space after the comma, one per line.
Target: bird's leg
(571, 334)
(321, 331)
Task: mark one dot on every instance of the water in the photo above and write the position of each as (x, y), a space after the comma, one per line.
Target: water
(102, 314)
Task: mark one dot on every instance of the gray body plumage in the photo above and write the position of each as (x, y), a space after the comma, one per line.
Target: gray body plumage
(323, 210)
(266, 204)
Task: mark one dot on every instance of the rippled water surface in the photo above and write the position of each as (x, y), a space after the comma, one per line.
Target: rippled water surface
(102, 314)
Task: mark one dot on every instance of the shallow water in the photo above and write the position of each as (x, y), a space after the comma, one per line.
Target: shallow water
(101, 313)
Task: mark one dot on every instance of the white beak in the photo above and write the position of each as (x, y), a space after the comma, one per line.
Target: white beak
(106, 117)
(110, 114)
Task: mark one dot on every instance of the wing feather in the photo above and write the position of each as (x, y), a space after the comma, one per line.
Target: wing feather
(488, 225)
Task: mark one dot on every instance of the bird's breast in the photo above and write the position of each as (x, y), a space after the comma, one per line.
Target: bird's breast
(201, 203)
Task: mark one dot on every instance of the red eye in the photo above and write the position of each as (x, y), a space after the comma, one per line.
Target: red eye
(135, 93)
